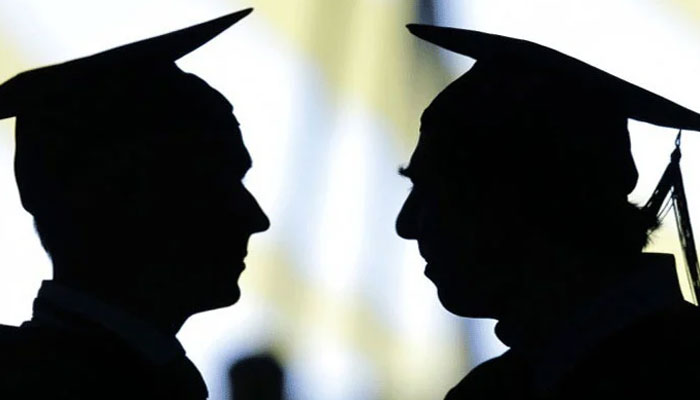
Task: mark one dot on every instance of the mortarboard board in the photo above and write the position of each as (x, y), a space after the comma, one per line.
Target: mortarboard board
(69, 115)
(508, 56)
(32, 89)
(634, 102)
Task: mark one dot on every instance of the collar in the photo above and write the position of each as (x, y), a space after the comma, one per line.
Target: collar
(651, 289)
(61, 307)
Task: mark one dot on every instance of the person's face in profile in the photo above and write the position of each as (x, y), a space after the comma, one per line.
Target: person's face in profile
(207, 215)
(464, 227)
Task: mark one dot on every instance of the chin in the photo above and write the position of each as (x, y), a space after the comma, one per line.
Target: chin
(463, 302)
(464, 289)
(227, 297)
(222, 288)
(455, 306)
(218, 298)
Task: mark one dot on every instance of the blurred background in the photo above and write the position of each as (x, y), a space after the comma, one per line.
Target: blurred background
(329, 95)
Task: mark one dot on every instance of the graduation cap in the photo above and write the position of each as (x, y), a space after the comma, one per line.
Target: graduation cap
(516, 59)
(69, 113)
(44, 87)
(636, 103)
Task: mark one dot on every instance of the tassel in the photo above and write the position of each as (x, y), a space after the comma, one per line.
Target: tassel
(672, 182)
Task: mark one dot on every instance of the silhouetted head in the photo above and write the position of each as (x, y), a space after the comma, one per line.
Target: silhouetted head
(133, 172)
(521, 163)
(259, 377)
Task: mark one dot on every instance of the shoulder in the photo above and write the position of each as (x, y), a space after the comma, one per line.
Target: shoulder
(10, 343)
(655, 355)
(8, 334)
(28, 344)
(14, 342)
(23, 359)
(670, 334)
(500, 377)
(68, 365)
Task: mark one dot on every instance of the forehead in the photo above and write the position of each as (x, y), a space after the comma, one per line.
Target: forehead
(232, 150)
(214, 146)
(191, 119)
(484, 124)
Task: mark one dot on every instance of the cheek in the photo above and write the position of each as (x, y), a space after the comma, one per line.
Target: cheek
(475, 235)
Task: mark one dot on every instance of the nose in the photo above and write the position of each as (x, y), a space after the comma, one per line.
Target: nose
(408, 220)
(256, 216)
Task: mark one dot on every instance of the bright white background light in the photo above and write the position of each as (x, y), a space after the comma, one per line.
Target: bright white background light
(330, 286)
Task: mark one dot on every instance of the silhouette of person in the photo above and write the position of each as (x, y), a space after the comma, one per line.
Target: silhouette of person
(519, 207)
(258, 377)
(132, 170)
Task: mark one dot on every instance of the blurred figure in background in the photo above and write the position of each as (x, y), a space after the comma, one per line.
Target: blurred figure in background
(519, 207)
(259, 377)
(133, 172)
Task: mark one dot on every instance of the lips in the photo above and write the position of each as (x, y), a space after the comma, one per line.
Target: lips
(425, 252)
(428, 272)
(432, 270)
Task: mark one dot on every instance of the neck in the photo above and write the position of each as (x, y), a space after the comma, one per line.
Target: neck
(152, 307)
